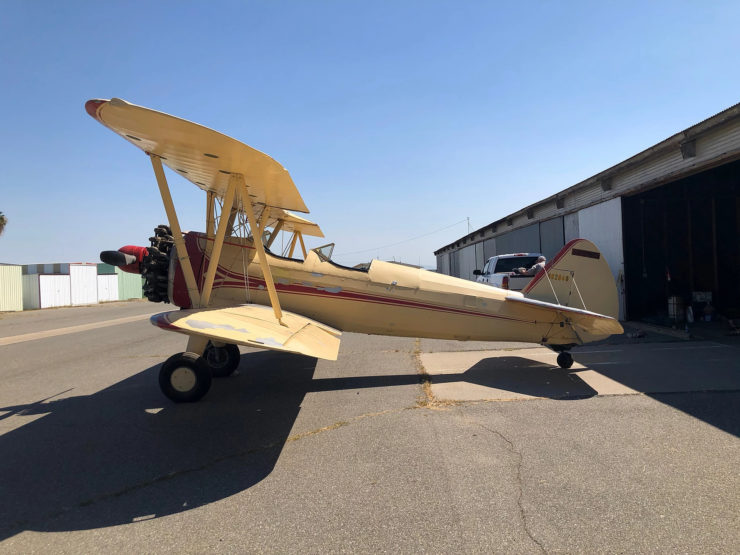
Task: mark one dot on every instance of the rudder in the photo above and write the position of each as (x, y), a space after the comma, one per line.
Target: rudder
(577, 277)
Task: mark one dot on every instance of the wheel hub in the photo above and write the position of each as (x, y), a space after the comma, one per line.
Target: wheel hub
(183, 379)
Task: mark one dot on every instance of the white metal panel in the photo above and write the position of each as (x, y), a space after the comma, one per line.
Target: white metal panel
(602, 224)
(11, 288)
(54, 291)
(107, 288)
(83, 283)
(443, 263)
(467, 262)
(31, 299)
(479, 260)
(570, 227)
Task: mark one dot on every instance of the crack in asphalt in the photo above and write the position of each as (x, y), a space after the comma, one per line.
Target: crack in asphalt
(519, 482)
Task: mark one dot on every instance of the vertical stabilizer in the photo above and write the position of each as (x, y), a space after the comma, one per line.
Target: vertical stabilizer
(577, 277)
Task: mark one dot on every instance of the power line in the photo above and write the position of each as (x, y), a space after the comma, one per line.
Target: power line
(405, 240)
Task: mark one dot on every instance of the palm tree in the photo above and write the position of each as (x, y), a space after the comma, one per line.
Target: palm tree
(3, 221)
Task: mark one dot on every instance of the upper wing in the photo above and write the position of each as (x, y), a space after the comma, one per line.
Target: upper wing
(255, 326)
(199, 154)
(292, 222)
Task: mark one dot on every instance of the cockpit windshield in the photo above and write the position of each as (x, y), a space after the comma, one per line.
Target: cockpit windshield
(324, 252)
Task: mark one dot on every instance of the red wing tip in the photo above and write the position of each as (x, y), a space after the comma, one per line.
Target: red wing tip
(91, 106)
(161, 321)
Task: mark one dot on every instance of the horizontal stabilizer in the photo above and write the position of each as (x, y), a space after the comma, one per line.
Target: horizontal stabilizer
(589, 326)
(255, 326)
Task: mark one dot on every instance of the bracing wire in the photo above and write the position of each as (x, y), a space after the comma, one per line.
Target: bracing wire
(405, 240)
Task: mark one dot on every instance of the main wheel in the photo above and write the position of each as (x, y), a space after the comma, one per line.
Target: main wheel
(222, 361)
(565, 360)
(185, 378)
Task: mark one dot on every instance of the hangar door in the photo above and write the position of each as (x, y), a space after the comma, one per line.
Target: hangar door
(683, 240)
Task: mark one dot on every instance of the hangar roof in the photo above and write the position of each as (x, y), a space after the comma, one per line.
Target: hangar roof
(709, 143)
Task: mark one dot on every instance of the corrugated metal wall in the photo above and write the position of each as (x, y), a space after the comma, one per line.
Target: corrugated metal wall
(107, 288)
(480, 261)
(443, 263)
(570, 227)
(524, 239)
(83, 283)
(551, 237)
(129, 285)
(11, 288)
(31, 299)
(489, 249)
(54, 290)
(602, 224)
(467, 262)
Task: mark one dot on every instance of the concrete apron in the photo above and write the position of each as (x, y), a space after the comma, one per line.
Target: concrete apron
(507, 375)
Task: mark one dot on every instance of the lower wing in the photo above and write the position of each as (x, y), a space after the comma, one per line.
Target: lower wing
(255, 326)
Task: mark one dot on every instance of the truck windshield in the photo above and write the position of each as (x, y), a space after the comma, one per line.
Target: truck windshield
(508, 264)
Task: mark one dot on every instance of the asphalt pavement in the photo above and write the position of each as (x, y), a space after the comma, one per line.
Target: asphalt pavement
(402, 445)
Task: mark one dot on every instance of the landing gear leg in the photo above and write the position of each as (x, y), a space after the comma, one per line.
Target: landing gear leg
(565, 360)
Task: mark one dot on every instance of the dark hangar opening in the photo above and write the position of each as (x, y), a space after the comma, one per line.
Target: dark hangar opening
(682, 239)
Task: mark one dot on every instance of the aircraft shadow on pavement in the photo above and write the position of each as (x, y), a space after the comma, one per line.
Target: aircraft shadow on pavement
(683, 386)
(513, 374)
(91, 450)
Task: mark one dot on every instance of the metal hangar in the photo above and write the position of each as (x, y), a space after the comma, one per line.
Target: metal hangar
(667, 220)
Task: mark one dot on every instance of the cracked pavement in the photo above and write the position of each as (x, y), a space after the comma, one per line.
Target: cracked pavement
(358, 455)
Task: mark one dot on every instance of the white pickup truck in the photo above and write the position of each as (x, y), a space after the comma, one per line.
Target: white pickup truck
(497, 271)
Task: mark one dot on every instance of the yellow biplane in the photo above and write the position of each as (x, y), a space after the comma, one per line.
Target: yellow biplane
(234, 289)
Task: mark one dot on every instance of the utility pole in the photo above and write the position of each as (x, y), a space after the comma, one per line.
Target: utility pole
(468, 218)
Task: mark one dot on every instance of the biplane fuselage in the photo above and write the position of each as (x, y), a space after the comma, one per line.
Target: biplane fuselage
(385, 299)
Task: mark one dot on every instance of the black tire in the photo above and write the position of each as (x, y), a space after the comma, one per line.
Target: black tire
(565, 360)
(222, 361)
(185, 378)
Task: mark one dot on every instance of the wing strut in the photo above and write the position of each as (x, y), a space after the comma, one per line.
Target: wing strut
(182, 253)
(275, 232)
(303, 245)
(210, 213)
(218, 243)
(238, 181)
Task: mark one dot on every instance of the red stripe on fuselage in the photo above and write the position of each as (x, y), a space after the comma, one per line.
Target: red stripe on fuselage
(228, 279)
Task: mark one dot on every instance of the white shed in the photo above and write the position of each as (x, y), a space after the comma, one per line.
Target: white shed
(11, 288)
(83, 283)
(107, 287)
(46, 291)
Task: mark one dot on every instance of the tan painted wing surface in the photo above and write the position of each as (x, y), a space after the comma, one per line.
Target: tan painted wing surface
(588, 326)
(293, 222)
(199, 154)
(255, 326)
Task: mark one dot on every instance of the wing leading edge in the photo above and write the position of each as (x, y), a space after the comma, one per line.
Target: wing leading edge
(255, 326)
(201, 155)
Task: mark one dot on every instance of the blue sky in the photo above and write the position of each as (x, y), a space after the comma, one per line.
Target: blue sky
(395, 119)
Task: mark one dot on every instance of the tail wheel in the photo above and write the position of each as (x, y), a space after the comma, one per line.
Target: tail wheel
(222, 361)
(565, 360)
(185, 378)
